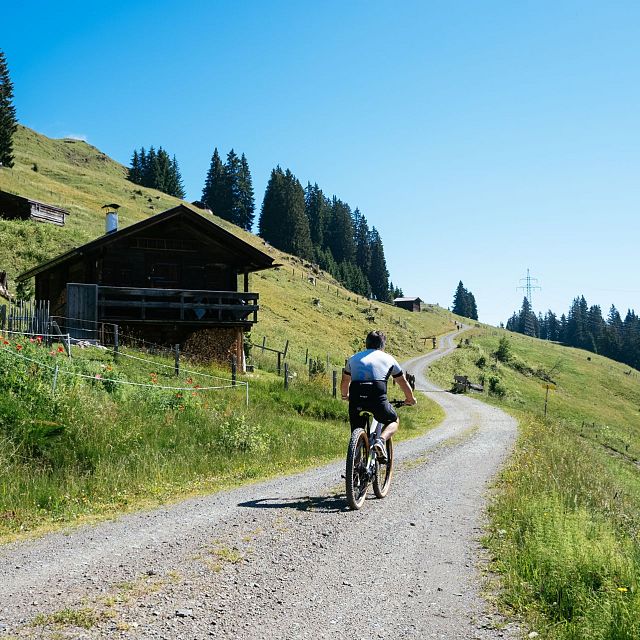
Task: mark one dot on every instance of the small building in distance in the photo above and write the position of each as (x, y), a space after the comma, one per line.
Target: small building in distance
(14, 207)
(173, 278)
(410, 304)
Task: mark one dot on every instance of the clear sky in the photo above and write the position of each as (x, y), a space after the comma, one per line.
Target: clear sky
(481, 138)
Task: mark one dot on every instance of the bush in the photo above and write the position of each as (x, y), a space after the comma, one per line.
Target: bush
(503, 352)
(237, 435)
(481, 362)
(496, 387)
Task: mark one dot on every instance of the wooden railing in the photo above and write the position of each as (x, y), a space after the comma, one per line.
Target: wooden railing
(120, 304)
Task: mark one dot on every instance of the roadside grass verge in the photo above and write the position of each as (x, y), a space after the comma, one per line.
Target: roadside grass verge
(97, 447)
(565, 521)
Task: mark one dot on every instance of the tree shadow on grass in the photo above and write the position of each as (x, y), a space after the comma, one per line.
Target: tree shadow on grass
(317, 504)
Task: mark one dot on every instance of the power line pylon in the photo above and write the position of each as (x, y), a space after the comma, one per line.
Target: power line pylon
(530, 285)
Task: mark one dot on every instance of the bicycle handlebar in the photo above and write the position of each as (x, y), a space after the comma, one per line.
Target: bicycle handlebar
(399, 403)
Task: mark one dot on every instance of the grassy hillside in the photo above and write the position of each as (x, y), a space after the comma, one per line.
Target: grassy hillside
(566, 519)
(113, 434)
(99, 445)
(326, 319)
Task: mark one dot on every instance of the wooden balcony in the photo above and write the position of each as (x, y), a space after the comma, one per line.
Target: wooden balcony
(176, 306)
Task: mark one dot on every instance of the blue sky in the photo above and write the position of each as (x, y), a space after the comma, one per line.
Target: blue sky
(480, 138)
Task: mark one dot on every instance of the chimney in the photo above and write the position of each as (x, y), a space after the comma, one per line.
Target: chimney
(111, 222)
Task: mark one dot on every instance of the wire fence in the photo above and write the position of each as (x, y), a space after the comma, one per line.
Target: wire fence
(57, 370)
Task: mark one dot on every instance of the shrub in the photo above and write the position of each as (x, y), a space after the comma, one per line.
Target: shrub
(496, 387)
(238, 435)
(503, 353)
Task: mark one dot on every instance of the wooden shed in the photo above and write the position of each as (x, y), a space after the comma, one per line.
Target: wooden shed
(13, 206)
(410, 304)
(164, 279)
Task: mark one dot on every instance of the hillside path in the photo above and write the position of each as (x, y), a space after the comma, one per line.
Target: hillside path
(284, 559)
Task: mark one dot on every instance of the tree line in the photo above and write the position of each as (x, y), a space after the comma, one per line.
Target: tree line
(584, 327)
(156, 170)
(8, 120)
(464, 303)
(228, 189)
(327, 231)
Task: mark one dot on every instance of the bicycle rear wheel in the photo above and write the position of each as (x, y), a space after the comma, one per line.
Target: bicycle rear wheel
(384, 470)
(356, 471)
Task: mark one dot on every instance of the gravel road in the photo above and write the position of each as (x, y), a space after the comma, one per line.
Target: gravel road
(284, 558)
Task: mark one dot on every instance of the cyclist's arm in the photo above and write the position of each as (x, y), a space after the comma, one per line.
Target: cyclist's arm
(406, 389)
(344, 385)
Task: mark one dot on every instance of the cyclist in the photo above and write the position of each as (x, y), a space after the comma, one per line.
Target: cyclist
(364, 384)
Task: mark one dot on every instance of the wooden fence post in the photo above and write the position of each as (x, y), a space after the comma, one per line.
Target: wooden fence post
(177, 359)
(115, 342)
(286, 375)
(264, 342)
(286, 348)
(234, 369)
(335, 383)
(279, 362)
(306, 356)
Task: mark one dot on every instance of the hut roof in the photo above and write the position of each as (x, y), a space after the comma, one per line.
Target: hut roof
(255, 259)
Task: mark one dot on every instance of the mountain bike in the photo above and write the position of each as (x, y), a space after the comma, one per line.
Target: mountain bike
(363, 466)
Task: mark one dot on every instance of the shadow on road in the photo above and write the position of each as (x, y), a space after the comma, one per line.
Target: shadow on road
(318, 504)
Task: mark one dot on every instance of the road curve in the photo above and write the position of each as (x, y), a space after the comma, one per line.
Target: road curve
(284, 558)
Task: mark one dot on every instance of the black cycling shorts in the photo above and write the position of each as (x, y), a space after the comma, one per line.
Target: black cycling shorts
(372, 397)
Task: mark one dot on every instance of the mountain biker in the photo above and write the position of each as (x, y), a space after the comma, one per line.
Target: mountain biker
(364, 384)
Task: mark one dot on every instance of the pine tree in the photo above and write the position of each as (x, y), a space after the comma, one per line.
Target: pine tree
(270, 225)
(230, 206)
(340, 232)
(214, 191)
(378, 272)
(461, 305)
(246, 203)
(317, 208)
(175, 186)
(527, 321)
(8, 120)
(134, 172)
(295, 219)
(149, 173)
(362, 242)
(283, 221)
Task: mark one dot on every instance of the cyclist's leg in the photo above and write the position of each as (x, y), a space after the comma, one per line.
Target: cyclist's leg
(356, 419)
(389, 418)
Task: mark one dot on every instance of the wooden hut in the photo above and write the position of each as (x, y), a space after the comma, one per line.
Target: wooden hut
(164, 279)
(13, 206)
(410, 304)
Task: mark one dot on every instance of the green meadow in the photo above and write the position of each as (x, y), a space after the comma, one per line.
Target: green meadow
(565, 518)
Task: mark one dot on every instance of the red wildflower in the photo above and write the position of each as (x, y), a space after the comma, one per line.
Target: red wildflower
(38, 339)
(19, 347)
(98, 376)
(189, 380)
(60, 349)
(31, 340)
(5, 341)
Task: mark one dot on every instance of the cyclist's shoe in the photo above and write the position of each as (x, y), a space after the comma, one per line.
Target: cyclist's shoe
(380, 449)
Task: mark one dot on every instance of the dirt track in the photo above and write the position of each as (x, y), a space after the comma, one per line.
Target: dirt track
(284, 558)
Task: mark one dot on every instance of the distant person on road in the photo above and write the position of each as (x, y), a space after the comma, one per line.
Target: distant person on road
(364, 385)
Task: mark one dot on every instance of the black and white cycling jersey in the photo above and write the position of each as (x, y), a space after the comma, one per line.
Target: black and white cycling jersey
(371, 365)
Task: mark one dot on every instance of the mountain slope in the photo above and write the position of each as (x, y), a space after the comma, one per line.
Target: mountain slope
(325, 318)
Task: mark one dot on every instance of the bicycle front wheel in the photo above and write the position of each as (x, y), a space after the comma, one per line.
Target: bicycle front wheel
(384, 470)
(356, 471)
